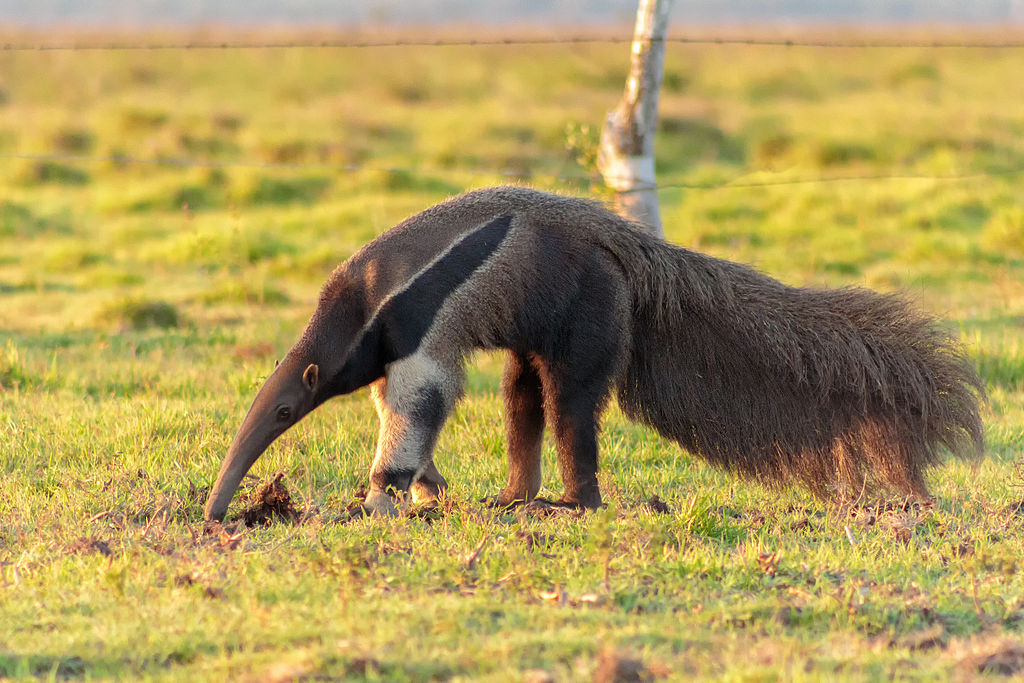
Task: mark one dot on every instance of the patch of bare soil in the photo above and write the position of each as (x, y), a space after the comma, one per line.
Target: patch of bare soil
(1015, 508)
(542, 507)
(926, 639)
(268, 502)
(657, 505)
(533, 539)
(355, 509)
(615, 667)
(868, 514)
(86, 545)
(1006, 660)
(899, 518)
(194, 579)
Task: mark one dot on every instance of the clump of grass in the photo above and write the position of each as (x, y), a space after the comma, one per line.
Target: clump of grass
(694, 140)
(913, 72)
(1004, 232)
(135, 119)
(196, 198)
(241, 292)
(71, 256)
(398, 180)
(139, 313)
(13, 373)
(1004, 368)
(214, 247)
(54, 173)
(836, 153)
(18, 220)
(770, 148)
(108, 276)
(227, 122)
(790, 85)
(206, 146)
(279, 191)
(74, 141)
(582, 142)
(287, 152)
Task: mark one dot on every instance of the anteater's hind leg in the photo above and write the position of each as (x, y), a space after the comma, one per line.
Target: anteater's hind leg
(575, 403)
(577, 378)
(412, 402)
(524, 427)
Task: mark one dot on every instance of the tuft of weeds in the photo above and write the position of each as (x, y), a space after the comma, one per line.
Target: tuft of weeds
(19, 220)
(74, 141)
(54, 173)
(281, 191)
(235, 292)
(71, 256)
(139, 313)
(13, 372)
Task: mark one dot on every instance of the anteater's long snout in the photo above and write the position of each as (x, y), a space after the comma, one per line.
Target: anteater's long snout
(246, 448)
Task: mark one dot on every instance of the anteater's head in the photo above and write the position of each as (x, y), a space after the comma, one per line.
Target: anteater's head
(284, 399)
(337, 354)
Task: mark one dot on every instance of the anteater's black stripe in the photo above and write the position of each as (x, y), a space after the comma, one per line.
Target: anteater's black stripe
(408, 315)
(400, 324)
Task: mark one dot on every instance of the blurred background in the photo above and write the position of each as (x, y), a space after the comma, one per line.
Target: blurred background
(194, 170)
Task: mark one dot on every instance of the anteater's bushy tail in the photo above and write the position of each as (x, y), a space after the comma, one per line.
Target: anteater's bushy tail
(840, 390)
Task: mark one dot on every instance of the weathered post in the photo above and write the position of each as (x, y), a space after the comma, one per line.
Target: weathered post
(626, 155)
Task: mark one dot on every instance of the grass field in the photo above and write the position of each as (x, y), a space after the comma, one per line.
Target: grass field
(142, 303)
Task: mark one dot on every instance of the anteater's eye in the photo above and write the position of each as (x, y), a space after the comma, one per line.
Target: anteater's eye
(284, 414)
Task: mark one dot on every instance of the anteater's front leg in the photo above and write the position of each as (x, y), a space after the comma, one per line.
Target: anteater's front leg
(524, 428)
(412, 402)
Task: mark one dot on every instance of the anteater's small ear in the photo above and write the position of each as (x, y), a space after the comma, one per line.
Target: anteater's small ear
(276, 363)
(311, 376)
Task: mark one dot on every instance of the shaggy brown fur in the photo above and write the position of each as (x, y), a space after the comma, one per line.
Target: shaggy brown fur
(836, 389)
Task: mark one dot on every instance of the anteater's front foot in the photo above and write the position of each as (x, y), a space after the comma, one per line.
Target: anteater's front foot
(429, 487)
(384, 504)
(588, 498)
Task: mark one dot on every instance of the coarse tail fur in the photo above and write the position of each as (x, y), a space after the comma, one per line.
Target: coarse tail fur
(845, 391)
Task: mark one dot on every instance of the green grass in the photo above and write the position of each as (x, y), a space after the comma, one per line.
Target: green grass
(141, 305)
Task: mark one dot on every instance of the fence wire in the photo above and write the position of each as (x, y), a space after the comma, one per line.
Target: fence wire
(978, 44)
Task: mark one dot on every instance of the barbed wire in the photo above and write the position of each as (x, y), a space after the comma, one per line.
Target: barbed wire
(485, 42)
(670, 184)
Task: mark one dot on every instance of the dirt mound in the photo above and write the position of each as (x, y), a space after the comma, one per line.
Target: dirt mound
(269, 501)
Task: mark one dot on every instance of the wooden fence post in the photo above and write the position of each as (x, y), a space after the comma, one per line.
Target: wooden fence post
(626, 155)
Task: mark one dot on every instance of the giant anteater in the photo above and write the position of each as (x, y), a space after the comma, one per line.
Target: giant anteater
(837, 389)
